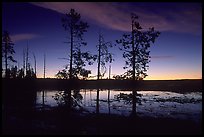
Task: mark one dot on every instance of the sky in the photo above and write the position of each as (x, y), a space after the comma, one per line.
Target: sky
(176, 54)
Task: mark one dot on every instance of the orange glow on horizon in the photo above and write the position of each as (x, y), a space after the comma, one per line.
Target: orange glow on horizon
(147, 78)
(174, 76)
(152, 75)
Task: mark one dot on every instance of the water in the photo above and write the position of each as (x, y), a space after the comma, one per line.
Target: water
(161, 104)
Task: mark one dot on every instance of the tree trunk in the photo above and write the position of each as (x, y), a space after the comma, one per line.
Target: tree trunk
(34, 63)
(109, 71)
(44, 65)
(133, 50)
(71, 56)
(27, 59)
(24, 63)
(99, 56)
(6, 61)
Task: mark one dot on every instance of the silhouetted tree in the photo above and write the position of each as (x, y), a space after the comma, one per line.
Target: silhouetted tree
(76, 28)
(35, 65)
(7, 51)
(24, 63)
(103, 56)
(20, 73)
(8, 73)
(85, 73)
(14, 72)
(44, 66)
(79, 62)
(135, 47)
(119, 77)
(62, 74)
(29, 71)
(26, 60)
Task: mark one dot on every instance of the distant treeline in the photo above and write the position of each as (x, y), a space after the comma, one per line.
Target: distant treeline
(61, 84)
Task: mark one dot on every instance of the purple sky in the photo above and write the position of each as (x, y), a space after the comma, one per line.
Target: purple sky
(176, 54)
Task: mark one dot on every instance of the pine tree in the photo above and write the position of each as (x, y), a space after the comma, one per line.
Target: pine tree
(76, 29)
(7, 51)
(135, 47)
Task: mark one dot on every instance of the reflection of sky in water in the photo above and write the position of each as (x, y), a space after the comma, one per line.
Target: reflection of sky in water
(153, 103)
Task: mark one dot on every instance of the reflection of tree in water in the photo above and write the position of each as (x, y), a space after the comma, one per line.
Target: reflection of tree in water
(77, 98)
(128, 98)
(69, 98)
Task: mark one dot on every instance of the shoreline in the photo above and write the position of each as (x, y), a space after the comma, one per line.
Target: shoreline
(61, 84)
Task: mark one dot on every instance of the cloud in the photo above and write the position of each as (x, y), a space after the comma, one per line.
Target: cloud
(162, 57)
(176, 17)
(25, 36)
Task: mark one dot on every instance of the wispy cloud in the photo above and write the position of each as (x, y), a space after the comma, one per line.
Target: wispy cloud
(162, 57)
(25, 36)
(176, 17)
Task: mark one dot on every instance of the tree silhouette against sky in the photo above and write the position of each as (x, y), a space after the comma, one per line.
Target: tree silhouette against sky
(7, 50)
(103, 56)
(76, 29)
(135, 49)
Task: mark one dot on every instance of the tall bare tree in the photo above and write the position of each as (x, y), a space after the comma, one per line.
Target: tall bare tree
(24, 64)
(103, 56)
(44, 65)
(35, 70)
(26, 60)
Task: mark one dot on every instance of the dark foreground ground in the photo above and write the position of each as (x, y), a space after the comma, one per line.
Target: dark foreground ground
(60, 121)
